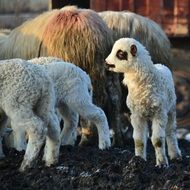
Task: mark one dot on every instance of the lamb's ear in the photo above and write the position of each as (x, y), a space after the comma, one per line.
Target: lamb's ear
(133, 50)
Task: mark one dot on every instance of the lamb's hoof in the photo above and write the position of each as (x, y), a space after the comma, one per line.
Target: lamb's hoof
(21, 147)
(50, 159)
(27, 164)
(51, 162)
(162, 162)
(24, 167)
(105, 144)
(162, 166)
(177, 159)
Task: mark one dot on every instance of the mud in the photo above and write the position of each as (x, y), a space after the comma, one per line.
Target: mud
(90, 168)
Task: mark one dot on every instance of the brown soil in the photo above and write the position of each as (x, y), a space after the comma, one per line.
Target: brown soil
(91, 168)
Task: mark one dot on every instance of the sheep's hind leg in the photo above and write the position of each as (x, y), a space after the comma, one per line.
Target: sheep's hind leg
(171, 138)
(36, 129)
(69, 131)
(19, 139)
(158, 139)
(51, 151)
(140, 135)
(96, 115)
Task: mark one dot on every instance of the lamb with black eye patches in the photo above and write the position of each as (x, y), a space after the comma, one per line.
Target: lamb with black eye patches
(151, 97)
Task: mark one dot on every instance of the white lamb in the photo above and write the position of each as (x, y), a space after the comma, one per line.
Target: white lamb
(73, 90)
(27, 98)
(151, 97)
(74, 97)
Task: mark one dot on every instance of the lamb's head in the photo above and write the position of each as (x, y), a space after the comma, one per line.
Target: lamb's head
(124, 55)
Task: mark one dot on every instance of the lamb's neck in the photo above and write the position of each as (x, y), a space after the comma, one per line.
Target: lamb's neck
(139, 77)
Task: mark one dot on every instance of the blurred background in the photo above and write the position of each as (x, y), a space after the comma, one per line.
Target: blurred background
(172, 15)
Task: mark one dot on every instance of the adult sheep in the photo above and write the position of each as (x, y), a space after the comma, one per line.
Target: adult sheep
(78, 36)
(28, 100)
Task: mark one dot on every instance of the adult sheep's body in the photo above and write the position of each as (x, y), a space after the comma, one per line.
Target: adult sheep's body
(28, 99)
(75, 35)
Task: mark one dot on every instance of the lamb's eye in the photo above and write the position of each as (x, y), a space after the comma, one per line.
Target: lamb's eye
(122, 55)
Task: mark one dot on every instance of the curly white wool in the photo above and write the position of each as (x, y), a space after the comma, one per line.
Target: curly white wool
(151, 97)
(73, 91)
(73, 98)
(27, 98)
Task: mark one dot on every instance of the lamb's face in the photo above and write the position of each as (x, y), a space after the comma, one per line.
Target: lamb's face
(123, 53)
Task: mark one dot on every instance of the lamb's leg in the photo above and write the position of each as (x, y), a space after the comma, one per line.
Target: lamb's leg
(171, 138)
(36, 130)
(69, 131)
(158, 139)
(140, 135)
(19, 138)
(36, 133)
(109, 99)
(51, 151)
(96, 115)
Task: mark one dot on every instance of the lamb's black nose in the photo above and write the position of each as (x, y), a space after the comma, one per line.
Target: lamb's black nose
(108, 66)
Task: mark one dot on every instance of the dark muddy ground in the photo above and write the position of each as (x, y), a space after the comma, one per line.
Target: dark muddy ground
(90, 168)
